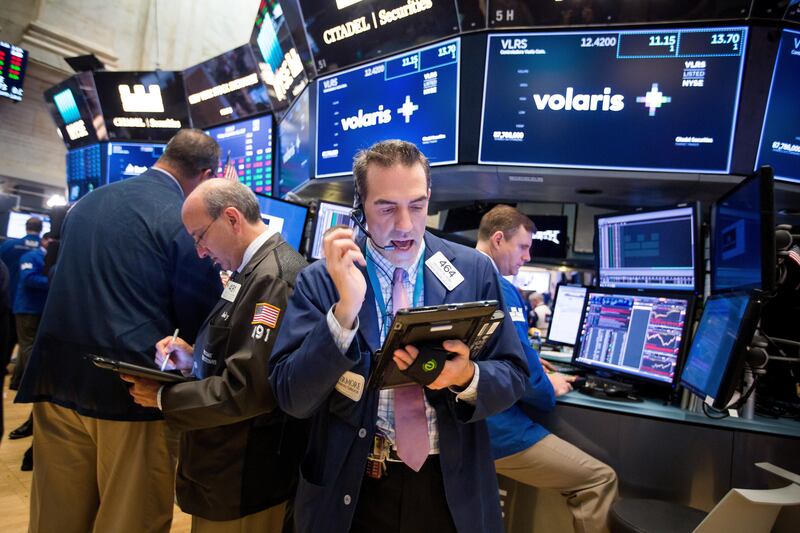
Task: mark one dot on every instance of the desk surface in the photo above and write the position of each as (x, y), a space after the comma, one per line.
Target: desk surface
(656, 409)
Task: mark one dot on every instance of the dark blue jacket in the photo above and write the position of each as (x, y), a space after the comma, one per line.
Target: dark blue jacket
(10, 253)
(32, 285)
(512, 430)
(306, 365)
(127, 275)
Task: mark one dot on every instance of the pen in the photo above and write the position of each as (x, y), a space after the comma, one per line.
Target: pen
(164, 362)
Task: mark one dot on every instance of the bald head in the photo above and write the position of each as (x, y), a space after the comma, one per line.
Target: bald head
(215, 195)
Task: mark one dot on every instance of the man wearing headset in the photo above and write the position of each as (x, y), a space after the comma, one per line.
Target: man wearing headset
(437, 472)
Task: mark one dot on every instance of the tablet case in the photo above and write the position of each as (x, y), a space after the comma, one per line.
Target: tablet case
(136, 370)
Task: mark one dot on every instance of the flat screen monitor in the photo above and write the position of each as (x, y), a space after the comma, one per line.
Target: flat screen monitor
(658, 249)
(663, 100)
(280, 62)
(550, 237)
(532, 280)
(84, 171)
(780, 135)
(225, 88)
(127, 160)
(286, 218)
(565, 321)
(634, 334)
(294, 146)
(743, 236)
(714, 364)
(17, 220)
(77, 121)
(359, 30)
(328, 215)
(248, 143)
(13, 61)
(142, 106)
(412, 96)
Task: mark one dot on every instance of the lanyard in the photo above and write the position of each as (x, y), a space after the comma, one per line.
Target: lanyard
(376, 287)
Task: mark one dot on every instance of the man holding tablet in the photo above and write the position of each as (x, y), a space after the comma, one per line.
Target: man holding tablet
(406, 459)
(524, 450)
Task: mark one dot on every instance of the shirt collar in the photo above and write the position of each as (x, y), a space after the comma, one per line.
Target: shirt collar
(253, 247)
(173, 178)
(387, 271)
(490, 259)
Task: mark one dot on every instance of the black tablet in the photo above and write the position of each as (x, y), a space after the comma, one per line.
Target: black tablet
(471, 322)
(136, 370)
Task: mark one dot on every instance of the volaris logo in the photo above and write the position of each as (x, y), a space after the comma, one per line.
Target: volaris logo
(365, 120)
(569, 101)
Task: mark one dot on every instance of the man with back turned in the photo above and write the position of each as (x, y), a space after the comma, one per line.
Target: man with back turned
(127, 272)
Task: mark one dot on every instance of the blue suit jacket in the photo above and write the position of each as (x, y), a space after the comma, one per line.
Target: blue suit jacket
(127, 275)
(32, 285)
(11, 251)
(306, 365)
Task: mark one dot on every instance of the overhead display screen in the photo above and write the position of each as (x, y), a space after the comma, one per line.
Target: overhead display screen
(127, 160)
(248, 145)
(225, 88)
(72, 113)
(13, 61)
(550, 237)
(142, 106)
(357, 30)
(630, 100)
(413, 97)
(281, 66)
(294, 145)
(780, 134)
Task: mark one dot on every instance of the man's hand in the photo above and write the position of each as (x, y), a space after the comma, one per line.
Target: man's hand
(547, 365)
(144, 391)
(457, 372)
(180, 354)
(561, 384)
(341, 257)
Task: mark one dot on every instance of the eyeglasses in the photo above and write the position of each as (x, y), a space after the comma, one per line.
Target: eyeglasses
(198, 242)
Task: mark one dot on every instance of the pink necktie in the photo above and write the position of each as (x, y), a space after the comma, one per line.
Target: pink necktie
(410, 421)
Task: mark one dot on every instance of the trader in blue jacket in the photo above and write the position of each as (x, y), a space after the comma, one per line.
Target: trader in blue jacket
(407, 459)
(524, 450)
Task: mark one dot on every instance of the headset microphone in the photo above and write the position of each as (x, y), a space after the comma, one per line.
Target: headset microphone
(358, 214)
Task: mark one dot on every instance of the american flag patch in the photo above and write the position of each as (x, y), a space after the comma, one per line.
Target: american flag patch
(266, 314)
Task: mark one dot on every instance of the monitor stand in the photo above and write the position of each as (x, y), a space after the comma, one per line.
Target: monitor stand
(609, 389)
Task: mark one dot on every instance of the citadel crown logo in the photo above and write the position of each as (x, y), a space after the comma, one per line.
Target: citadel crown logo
(141, 100)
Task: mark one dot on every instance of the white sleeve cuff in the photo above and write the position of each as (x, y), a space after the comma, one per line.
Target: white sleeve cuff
(342, 336)
(470, 394)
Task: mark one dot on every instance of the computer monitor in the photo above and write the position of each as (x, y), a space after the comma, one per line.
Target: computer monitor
(287, 218)
(653, 249)
(743, 236)
(128, 160)
(532, 280)
(17, 220)
(294, 146)
(249, 143)
(714, 365)
(13, 61)
(566, 319)
(84, 170)
(634, 334)
(328, 215)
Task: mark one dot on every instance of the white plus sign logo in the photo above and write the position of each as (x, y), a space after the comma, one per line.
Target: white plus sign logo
(653, 99)
(407, 109)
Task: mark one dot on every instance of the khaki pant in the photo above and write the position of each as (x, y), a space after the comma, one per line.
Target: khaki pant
(267, 521)
(99, 475)
(589, 485)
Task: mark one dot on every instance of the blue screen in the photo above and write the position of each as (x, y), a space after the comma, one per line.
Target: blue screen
(413, 97)
(249, 143)
(287, 219)
(84, 171)
(650, 100)
(632, 334)
(780, 135)
(294, 140)
(650, 250)
(736, 239)
(126, 160)
(712, 347)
